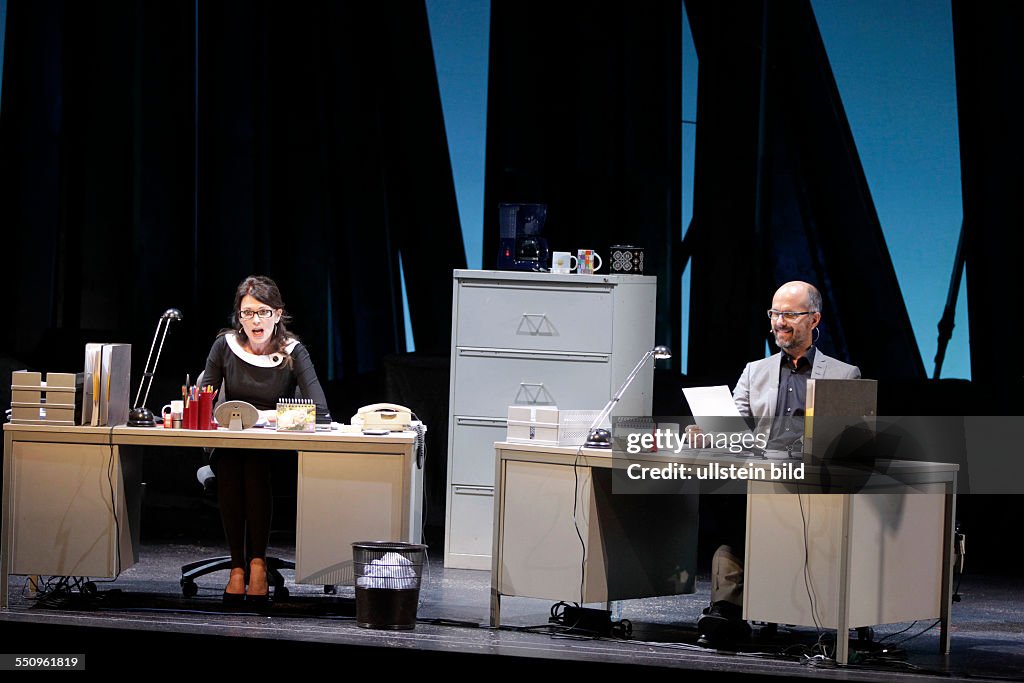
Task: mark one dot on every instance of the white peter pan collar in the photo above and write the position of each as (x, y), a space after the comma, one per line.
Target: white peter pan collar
(271, 360)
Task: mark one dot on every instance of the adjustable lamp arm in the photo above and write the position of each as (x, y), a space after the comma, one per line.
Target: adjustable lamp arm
(601, 438)
(140, 416)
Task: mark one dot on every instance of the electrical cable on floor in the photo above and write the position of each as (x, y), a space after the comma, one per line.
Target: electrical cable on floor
(895, 633)
(816, 655)
(908, 639)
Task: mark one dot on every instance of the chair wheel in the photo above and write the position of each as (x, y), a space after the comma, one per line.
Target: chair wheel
(89, 588)
(330, 589)
(189, 588)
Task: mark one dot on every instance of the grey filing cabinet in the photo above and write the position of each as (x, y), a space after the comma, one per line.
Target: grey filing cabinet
(532, 339)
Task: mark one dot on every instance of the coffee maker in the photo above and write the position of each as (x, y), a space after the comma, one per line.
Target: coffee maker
(522, 245)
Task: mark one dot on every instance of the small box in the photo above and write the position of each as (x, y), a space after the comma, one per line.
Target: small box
(26, 395)
(59, 414)
(529, 424)
(26, 379)
(26, 413)
(60, 380)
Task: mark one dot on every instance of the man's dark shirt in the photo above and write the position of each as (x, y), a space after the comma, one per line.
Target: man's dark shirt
(788, 424)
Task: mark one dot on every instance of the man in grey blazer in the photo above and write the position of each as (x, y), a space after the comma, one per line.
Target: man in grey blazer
(772, 390)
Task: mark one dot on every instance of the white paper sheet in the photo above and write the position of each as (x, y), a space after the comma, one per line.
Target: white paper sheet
(711, 401)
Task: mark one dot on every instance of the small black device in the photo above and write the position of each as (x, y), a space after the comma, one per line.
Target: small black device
(522, 245)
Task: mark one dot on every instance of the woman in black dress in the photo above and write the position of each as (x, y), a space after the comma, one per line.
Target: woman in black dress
(259, 361)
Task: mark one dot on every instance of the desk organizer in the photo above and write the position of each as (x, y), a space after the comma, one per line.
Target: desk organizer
(574, 426)
(38, 402)
(536, 425)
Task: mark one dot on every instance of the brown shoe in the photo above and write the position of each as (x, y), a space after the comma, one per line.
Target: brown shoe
(235, 590)
(259, 589)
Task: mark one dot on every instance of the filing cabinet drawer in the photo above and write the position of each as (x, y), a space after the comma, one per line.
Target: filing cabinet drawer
(473, 449)
(542, 318)
(488, 382)
(472, 519)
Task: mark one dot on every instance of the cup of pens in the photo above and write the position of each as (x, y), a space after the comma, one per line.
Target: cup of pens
(190, 416)
(205, 410)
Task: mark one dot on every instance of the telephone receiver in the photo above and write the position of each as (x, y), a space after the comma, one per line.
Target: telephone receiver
(389, 416)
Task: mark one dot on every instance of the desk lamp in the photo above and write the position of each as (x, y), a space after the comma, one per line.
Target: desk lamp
(140, 415)
(602, 438)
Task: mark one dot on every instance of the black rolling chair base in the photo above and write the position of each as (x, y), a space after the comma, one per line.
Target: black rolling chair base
(193, 570)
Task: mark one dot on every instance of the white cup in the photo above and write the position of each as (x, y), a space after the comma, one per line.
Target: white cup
(562, 262)
(585, 259)
(175, 408)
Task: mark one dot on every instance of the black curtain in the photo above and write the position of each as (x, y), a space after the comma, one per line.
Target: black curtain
(153, 154)
(584, 115)
(989, 102)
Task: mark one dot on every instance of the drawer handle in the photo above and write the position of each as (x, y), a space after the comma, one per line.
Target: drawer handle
(538, 324)
(480, 422)
(535, 393)
(475, 490)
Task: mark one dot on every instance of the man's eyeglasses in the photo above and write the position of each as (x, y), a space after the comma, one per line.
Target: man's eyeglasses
(247, 314)
(790, 316)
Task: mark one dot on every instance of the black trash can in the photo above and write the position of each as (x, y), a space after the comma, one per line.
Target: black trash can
(388, 576)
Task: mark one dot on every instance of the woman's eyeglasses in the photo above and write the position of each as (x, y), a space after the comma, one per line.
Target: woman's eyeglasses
(246, 314)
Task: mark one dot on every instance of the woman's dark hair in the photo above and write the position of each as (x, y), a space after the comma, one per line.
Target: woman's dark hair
(265, 290)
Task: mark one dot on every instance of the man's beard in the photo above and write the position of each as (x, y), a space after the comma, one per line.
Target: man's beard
(785, 345)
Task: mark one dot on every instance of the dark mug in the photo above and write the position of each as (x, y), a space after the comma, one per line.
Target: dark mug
(626, 260)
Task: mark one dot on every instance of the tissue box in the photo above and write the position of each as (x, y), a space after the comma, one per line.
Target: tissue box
(528, 424)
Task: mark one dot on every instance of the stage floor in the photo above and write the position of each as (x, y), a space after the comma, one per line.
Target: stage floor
(141, 619)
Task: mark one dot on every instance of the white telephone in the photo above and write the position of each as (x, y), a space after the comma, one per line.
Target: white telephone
(389, 416)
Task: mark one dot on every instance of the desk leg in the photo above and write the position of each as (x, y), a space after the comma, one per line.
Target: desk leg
(495, 607)
(496, 541)
(949, 538)
(843, 617)
(6, 518)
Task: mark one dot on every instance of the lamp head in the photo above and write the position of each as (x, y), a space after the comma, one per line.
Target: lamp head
(662, 352)
(171, 314)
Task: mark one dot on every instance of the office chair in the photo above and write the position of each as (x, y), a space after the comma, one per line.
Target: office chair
(193, 570)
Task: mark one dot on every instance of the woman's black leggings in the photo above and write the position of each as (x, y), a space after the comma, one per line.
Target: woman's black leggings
(246, 501)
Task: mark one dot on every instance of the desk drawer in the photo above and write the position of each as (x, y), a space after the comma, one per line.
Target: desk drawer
(566, 318)
(488, 381)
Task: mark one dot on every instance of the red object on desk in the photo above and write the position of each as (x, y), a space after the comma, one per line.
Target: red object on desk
(190, 418)
(205, 411)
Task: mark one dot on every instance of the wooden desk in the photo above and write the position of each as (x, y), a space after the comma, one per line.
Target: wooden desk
(71, 496)
(879, 555)
(547, 500)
